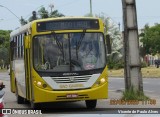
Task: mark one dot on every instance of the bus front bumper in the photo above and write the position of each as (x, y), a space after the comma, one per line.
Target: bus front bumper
(41, 95)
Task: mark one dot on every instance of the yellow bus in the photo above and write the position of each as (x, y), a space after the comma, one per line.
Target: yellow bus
(59, 59)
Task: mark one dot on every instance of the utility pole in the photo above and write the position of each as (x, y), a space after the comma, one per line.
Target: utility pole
(133, 76)
(91, 7)
(51, 6)
(119, 25)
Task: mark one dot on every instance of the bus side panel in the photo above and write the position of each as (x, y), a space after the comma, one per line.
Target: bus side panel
(12, 77)
(20, 77)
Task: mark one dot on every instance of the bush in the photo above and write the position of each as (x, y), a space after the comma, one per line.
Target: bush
(131, 94)
(115, 64)
(143, 64)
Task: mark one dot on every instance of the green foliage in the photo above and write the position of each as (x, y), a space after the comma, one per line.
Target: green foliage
(115, 62)
(23, 21)
(151, 39)
(143, 64)
(4, 48)
(131, 94)
(115, 65)
(45, 14)
(4, 37)
(55, 13)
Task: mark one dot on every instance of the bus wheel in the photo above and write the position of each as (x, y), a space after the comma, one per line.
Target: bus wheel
(91, 104)
(34, 105)
(20, 100)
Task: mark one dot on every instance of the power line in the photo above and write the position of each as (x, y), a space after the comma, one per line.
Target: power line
(33, 10)
(10, 11)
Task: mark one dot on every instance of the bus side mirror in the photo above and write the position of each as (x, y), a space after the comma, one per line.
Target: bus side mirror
(27, 41)
(108, 44)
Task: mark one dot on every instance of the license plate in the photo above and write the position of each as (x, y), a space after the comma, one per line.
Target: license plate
(72, 95)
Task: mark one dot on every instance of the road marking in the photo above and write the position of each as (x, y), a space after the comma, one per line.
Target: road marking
(144, 82)
(148, 91)
(112, 90)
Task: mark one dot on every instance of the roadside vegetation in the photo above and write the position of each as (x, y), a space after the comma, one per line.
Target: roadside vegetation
(5, 34)
(4, 49)
(147, 72)
(131, 94)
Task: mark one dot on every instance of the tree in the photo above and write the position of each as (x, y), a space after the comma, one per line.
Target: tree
(4, 48)
(150, 37)
(55, 13)
(23, 21)
(115, 59)
(43, 13)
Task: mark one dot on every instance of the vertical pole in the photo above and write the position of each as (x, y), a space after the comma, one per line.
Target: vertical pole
(119, 25)
(51, 6)
(132, 69)
(91, 7)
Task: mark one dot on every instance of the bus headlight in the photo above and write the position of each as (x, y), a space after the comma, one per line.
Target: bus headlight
(102, 80)
(99, 82)
(40, 84)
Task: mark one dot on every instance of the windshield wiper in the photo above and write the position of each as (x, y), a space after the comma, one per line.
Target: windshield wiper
(60, 46)
(80, 41)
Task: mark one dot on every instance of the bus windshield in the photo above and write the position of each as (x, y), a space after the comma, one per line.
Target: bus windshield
(66, 52)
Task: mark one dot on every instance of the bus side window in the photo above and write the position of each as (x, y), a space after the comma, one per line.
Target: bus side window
(12, 46)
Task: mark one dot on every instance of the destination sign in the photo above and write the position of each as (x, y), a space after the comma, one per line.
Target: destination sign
(67, 25)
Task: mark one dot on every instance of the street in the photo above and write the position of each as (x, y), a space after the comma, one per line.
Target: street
(150, 85)
(116, 86)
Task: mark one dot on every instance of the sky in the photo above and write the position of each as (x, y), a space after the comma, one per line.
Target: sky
(147, 10)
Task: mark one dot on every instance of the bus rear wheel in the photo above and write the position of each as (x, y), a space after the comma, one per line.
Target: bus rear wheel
(91, 104)
(34, 105)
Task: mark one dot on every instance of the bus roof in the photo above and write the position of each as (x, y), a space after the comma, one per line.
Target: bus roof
(22, 29)
(26, 27)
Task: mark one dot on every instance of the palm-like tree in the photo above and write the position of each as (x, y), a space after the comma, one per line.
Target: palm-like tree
(23, 21)
(55, 13)
(45, 14)
(111, 28)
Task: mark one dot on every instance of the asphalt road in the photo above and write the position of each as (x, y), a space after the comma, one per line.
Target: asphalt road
(151, 86)
(116, 85)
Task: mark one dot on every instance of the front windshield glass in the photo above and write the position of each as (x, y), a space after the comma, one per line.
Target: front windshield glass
(69, 52)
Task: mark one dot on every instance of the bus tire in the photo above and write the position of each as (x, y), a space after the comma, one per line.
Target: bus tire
(20, 100)
(34, 105)
(91, 104)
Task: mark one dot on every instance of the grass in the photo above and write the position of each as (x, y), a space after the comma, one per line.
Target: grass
(148, 72)
(3, 70)
(131, 94)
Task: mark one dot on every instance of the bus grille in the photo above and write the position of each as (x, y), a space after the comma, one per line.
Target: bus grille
(71, 79)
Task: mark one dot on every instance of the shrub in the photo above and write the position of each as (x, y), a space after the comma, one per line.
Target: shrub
(115, 64)
(143, 64)
(131, 94)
